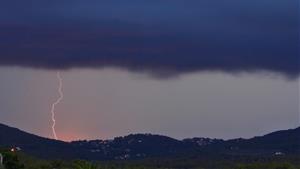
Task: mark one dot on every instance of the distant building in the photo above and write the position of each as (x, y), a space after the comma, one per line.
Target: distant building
(279, 153)
(15, 149)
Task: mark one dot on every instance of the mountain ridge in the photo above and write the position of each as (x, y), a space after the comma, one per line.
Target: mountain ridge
(139, 146)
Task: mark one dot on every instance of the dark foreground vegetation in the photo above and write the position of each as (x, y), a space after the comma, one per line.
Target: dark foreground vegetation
(19, 160)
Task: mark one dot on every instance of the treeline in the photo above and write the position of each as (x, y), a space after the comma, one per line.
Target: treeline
(18, 160)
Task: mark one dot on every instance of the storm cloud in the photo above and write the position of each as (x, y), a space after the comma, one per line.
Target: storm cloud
(159, 37)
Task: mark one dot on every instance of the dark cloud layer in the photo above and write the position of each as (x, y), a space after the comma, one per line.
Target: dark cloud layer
(161, 37)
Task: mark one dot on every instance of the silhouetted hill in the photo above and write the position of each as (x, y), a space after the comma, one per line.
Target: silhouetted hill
(282, 142)
(35, 145)
(138, 146)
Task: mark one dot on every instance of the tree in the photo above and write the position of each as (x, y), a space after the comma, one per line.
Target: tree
(80, 164)
(11, 161)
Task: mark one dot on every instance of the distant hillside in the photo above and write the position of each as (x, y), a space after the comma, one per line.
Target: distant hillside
(35, 145)
(139, 146)
(286, 142)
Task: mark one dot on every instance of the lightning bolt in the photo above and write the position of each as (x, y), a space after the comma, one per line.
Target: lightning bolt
(61, 96)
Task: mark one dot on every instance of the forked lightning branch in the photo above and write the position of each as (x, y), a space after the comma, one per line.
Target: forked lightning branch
(58, 100)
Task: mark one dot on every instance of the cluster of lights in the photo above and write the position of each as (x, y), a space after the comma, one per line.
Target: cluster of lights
(15, 149)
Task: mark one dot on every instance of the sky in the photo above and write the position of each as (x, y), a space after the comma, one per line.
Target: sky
(221, 69)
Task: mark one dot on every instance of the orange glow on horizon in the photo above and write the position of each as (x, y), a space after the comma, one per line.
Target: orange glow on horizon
(75, 136)
(68, 137)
